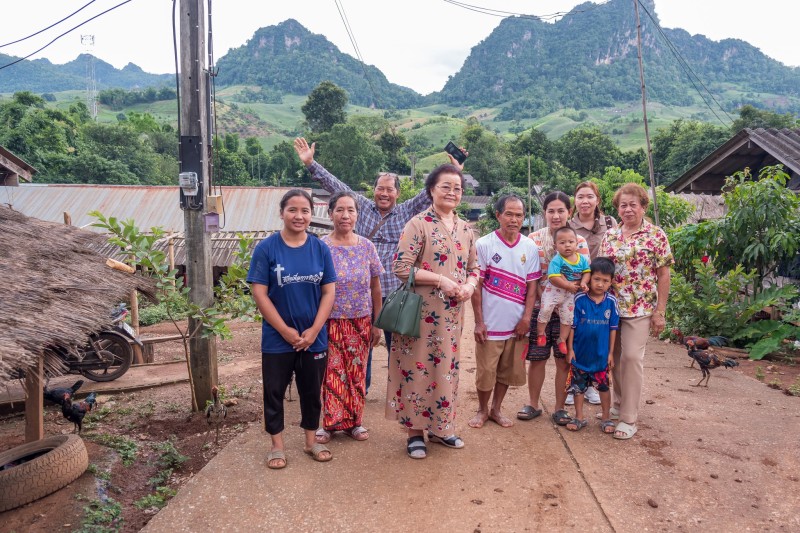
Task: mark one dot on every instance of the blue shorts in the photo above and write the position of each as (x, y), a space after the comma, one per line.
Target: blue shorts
(578, 380)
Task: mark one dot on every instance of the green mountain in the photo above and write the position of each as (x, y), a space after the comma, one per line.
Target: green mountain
(40, 75)
(290, 59)
(589, 59)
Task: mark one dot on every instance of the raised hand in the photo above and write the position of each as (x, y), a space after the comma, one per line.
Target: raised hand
(456, 163)
(304, 151)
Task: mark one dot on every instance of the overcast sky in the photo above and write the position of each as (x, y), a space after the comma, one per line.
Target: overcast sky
(416, 43)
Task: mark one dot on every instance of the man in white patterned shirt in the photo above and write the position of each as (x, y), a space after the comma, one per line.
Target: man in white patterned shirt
(510, 272)
(380, 220)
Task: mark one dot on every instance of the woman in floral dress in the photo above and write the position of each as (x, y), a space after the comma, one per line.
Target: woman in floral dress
(642, 257)
(423, 373)
(350, 330)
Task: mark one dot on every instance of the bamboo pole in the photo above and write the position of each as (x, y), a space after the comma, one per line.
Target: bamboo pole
(34, 402)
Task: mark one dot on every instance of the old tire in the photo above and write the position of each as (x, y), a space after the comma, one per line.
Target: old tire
(49, 464)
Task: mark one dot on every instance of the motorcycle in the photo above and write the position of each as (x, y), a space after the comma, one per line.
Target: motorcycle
(109, 354)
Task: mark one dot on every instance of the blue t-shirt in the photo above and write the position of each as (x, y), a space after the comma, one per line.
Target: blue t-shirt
(592, 327)
(293, 277)
(571, 271)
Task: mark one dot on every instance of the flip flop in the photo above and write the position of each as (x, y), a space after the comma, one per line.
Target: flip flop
(577, 423)
(276, 455)
(605, 425)
(316, 452)
(452, 441)
(528, 413)
(561, 417)
(627, 431)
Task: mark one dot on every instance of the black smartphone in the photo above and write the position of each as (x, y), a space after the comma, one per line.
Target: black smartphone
(457, 154)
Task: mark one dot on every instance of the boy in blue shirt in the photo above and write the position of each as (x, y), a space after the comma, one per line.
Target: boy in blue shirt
(591, 344)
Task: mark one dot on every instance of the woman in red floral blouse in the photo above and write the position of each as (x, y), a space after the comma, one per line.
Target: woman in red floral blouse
(642, 256)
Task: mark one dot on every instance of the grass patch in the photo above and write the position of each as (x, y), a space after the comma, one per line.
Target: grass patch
(158, 499)
(95, 470)
(101, 517)
(124, 446)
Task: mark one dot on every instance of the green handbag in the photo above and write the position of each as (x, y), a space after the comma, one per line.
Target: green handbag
(401, 310)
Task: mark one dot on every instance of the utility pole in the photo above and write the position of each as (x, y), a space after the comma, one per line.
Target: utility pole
(644, 112)
(194, 143)
(530, 201)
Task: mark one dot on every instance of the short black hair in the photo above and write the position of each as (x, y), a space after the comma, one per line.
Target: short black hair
(562, 229)
(602, 265)
(392, 175)
(433, 177)
(500, 204)
(338, 196)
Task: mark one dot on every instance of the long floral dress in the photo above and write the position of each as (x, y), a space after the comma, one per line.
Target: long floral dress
(423, 373)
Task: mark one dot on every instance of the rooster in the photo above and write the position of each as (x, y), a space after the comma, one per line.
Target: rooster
(708, 360)
(216, 412)
(56, 395)
(693, 342)
(75, 411)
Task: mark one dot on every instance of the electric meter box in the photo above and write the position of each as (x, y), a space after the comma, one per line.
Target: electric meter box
(188, 183)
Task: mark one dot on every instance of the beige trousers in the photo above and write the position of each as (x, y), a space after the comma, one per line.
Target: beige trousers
(629, 366)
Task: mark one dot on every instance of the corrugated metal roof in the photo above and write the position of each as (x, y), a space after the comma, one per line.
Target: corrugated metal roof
(245, 208)
(754, 148)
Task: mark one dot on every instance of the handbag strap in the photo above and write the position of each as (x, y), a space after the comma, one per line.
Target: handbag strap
(410, 282)
(377, 227)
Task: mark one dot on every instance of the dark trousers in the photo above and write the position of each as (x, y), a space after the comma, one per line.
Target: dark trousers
(276, 372)
(386, 335)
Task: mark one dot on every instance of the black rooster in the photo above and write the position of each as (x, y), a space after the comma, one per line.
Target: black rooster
(75, 411)
(56, 395)
(708, 360)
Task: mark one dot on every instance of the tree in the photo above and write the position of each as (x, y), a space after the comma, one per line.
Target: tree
(533, 142)
(349, 154)
(750, 117)
(392, 144)
(672, 210)
(284, 168)
(324, 107)
(682, 145)
(488, 160)
(586, 151)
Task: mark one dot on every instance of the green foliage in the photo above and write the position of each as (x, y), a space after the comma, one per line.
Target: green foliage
(392, 143)
(232, 293)
(349, 154)
(101, 516)
(264, 95)
(586, 151)
(750, 117)
(168, 454)
(156, 313)
(324, 107)
(488, 159)
(683, 144)
(125, 447)
(673, 210)
(718, 303)
(767, 336)
(158, 499)
(760, 230)
(118, 99)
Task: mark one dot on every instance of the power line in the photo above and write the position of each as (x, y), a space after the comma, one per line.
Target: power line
(351, 35)
(50, 26)
(687, 68)
(505, 14)
(65, 33)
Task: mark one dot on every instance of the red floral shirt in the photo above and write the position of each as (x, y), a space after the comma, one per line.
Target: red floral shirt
(636, 258)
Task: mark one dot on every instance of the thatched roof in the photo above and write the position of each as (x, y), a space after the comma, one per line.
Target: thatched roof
(55, 290)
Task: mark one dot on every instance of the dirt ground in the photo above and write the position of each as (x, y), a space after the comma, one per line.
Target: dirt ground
(155, 416)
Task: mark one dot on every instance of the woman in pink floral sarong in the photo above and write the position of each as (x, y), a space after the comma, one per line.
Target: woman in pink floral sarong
(423, 373)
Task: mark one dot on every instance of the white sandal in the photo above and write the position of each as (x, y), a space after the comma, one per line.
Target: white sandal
(322, 436)
(627, 431)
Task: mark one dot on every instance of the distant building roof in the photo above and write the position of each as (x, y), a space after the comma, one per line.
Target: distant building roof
(248, 209)
(753, 148)
(12, 168)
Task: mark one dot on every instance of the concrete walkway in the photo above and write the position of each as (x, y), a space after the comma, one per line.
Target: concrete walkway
(723, 458)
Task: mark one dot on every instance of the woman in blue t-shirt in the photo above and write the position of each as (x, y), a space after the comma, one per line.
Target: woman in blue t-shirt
(293, 283)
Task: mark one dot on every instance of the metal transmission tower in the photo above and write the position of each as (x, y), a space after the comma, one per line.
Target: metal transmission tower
(91, 82)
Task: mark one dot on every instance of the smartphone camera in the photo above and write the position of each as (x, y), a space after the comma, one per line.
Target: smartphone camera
(457, 154)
